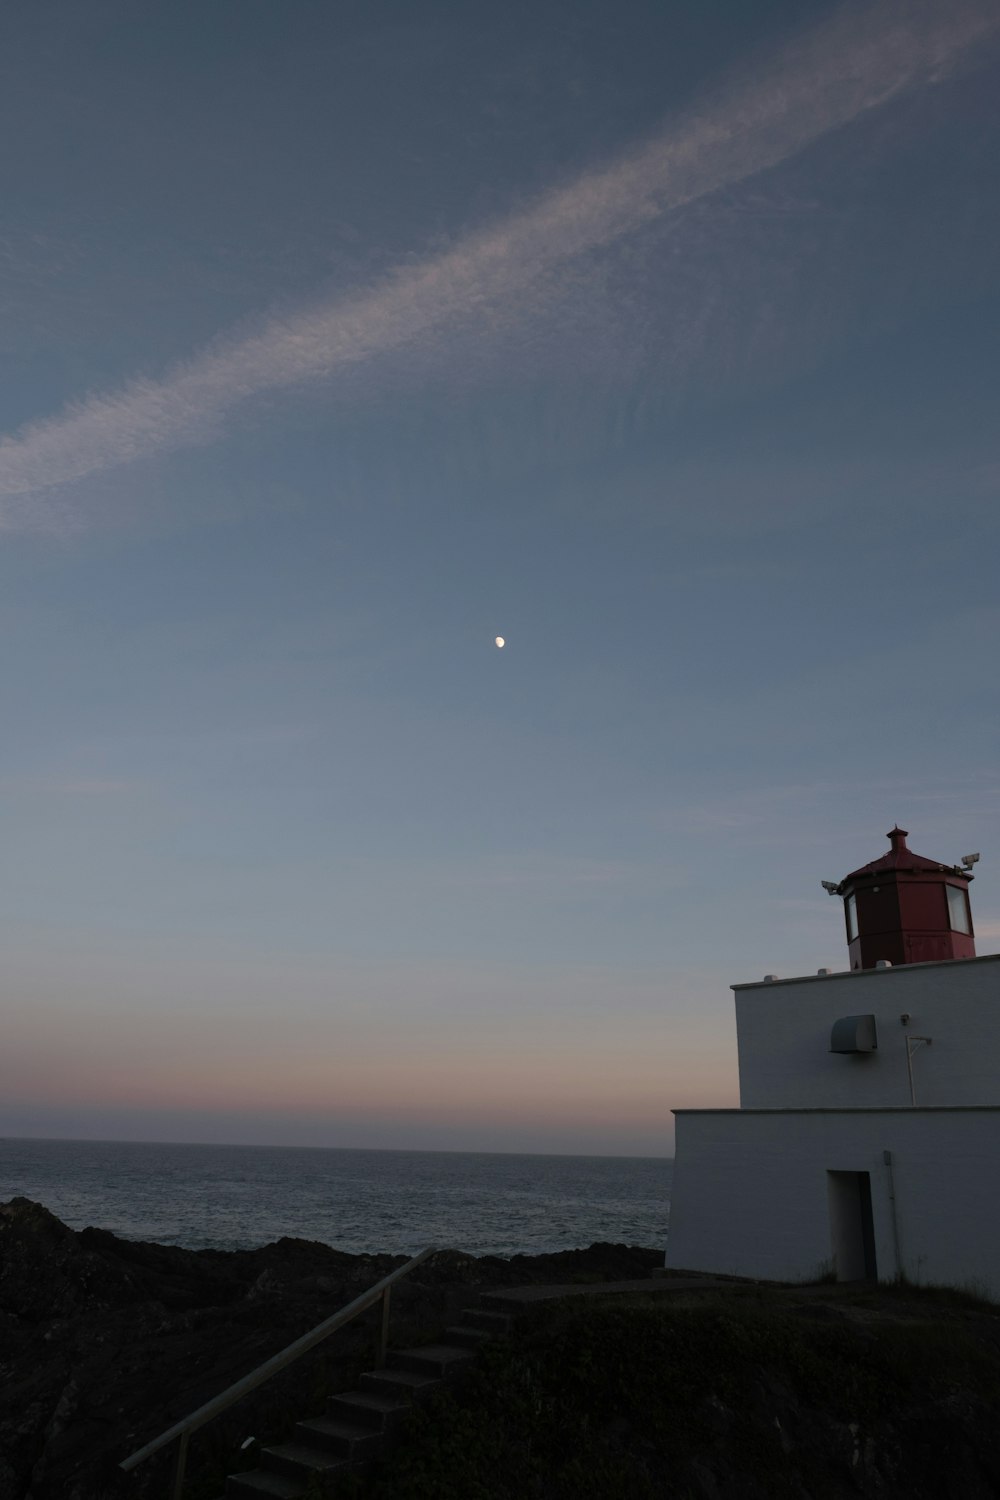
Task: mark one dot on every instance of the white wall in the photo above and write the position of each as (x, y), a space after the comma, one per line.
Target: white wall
(751, 1194)
(783, 1035)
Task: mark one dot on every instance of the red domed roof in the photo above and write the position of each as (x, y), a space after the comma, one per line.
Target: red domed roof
(899, 858)
(904, 909)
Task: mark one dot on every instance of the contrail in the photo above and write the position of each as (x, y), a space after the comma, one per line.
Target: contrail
(866, 55)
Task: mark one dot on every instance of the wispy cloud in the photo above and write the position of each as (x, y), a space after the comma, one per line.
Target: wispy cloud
(72, 786)
(865, 56)
(536, 872)
(798, 814)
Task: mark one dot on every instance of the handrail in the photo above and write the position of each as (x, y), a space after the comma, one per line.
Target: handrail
(183, 1429)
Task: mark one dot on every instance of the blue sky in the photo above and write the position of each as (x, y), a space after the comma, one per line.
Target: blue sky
(339, 339)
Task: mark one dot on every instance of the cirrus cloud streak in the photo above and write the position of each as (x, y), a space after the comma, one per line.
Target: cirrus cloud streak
(863, 57)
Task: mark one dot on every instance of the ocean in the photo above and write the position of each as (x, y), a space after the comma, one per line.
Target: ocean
(239, 1197)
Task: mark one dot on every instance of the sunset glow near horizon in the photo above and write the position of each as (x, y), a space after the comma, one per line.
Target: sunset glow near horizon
(661, 336)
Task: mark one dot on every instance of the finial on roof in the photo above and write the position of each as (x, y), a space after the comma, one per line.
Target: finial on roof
(897, 837)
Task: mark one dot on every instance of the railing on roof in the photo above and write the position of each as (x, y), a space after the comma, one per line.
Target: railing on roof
(181, 1431)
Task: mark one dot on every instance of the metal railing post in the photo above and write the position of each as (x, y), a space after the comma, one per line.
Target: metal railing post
(180, 1464)
(382, 1337)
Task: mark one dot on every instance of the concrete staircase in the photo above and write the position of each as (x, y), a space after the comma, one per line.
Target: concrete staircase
(359, 1426)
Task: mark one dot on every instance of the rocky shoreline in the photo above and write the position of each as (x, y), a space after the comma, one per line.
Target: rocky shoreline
(105, 1342)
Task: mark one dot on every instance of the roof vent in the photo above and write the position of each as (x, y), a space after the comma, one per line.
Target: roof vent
(883, 963)
(854, 1034)
(770, 978)
(822, 971)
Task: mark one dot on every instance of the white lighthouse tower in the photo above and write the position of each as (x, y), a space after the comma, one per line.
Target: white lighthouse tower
(867, 1142)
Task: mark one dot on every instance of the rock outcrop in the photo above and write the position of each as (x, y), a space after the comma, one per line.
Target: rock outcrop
(105, 1342)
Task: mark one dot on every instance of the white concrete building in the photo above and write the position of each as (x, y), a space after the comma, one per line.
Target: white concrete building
(867, 1142)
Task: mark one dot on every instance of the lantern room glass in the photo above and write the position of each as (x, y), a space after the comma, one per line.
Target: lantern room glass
(958, 909)
(851, 910)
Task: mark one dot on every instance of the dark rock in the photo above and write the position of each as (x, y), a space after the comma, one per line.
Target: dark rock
(46, 1271)
(105, 1343)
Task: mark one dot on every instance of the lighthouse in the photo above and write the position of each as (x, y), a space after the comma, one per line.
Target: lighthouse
(904, 909)
(868, 1132)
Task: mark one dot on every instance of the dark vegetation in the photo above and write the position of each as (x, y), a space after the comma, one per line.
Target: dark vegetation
(741, 1394)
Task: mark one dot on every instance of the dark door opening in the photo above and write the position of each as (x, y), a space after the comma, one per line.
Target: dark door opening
(852, 1226)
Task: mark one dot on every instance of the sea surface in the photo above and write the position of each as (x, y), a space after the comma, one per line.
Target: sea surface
(239, 1197)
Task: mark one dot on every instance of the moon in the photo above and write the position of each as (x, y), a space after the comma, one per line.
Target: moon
(499, 641)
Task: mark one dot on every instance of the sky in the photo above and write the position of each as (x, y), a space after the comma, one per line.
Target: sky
(339, 339)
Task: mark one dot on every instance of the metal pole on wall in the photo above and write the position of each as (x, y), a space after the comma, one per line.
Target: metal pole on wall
(912, 1042)
(887, 1158)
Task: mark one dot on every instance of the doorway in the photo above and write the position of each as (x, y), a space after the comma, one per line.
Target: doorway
(852, 1226)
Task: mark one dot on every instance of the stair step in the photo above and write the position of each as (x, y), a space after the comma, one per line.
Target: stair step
(481, 1317)
(440, 1359)
(351, 1439)
(410, 1384)
(359, 1421)
(298, 1461)
(258, 1482)
(377, 1412)
(498, 1302)
(466, 1337)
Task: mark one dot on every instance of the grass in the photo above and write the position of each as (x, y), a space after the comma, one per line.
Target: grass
(601, 1400)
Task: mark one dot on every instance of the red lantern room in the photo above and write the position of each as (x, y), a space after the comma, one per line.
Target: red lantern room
(905, 909)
